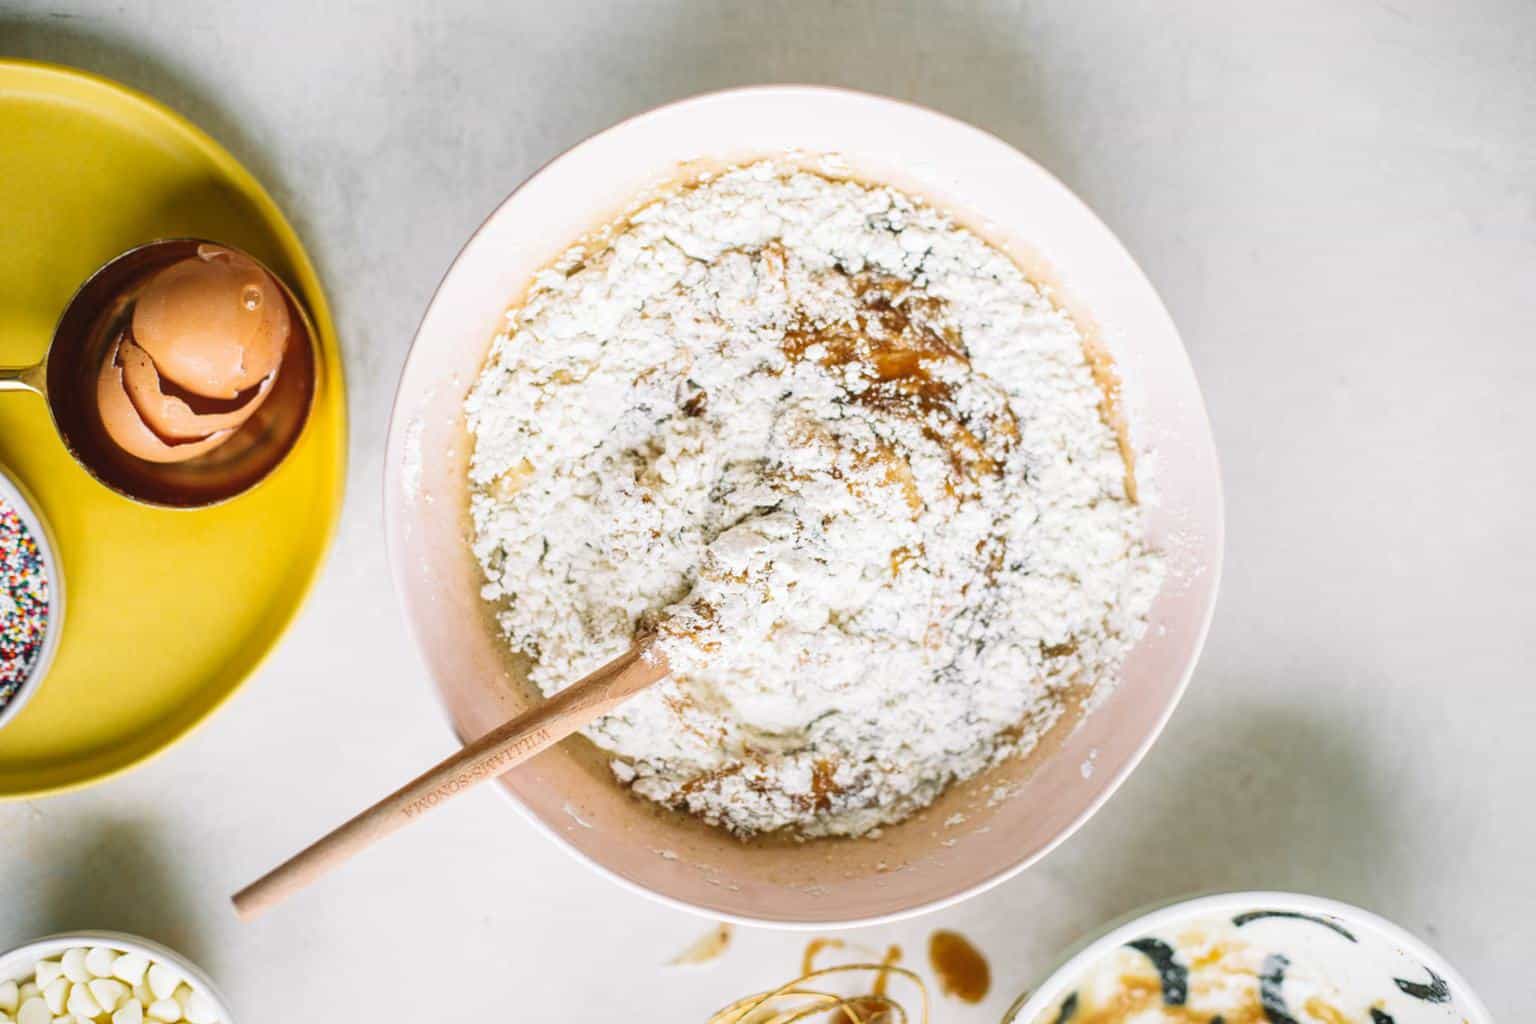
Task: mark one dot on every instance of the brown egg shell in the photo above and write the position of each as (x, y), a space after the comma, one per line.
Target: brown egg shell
(129, 432)
(193, 320)
(170, 416)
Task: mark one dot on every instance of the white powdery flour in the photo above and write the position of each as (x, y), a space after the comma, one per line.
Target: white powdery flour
(847, 461)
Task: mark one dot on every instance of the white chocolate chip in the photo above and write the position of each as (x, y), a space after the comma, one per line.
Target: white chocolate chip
(56, 995)
(10, 997)
(168, 1010)
(197, 1007)
(74, 966)
(131, 1012)
(142, 993)
(99, 961)
(34, 1011)
(29, 990)
(130, 968)
(108, 992)
(163, 981)
(82, 1003)
(47, 972)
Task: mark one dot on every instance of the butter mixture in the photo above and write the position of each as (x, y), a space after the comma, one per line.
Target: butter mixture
(845, 460)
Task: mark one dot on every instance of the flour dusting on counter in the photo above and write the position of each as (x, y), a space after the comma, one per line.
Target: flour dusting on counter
(845, 460)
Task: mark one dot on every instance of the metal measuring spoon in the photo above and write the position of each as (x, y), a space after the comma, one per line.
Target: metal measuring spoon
(66, 378)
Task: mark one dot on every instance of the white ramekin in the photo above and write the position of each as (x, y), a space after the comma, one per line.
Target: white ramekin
(17, 964)
(12, 493)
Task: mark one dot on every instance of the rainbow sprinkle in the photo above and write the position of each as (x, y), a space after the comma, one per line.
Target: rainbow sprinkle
(23, 602)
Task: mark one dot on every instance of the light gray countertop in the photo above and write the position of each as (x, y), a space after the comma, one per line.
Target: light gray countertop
(1338, 205)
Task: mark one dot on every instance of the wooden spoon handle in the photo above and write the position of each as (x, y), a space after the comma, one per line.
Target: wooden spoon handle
(495, 752)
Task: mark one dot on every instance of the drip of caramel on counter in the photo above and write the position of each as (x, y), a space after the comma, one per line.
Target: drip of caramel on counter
(709, 946)
(961, 969)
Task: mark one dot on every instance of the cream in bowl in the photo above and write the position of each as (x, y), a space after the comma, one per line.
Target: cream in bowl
(1254, 958)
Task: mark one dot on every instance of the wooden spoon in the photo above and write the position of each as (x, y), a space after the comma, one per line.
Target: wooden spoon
(528, 734)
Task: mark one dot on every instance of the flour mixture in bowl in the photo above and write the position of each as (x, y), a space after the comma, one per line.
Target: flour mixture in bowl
(845, 459)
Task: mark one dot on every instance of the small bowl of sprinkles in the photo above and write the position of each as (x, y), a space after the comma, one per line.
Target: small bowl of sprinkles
(31, 599)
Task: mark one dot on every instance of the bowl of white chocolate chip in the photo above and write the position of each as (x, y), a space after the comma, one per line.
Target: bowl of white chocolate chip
(881, 434)
(102, 977)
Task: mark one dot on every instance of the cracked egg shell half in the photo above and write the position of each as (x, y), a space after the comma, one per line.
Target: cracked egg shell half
(215, 324)
(176, 418)
(127, 428)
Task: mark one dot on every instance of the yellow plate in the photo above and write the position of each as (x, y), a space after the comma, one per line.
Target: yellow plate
(167, 611)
